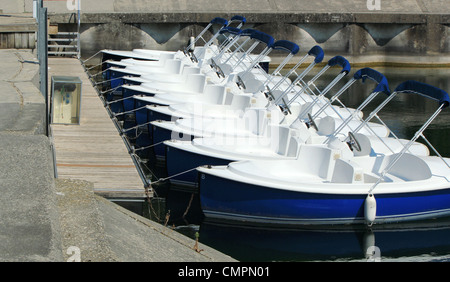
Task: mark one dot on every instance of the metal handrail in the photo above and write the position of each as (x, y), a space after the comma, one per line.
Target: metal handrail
(78, 29)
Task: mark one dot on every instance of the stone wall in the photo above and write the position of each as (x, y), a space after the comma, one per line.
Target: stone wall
(354, 39)
(345, 27)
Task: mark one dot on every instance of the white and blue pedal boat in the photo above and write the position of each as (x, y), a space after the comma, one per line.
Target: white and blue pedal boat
(323, 186)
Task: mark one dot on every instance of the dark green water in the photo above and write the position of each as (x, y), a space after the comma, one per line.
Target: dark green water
(420, 241)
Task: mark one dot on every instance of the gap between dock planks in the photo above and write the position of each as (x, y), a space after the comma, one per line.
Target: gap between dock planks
(93, 150)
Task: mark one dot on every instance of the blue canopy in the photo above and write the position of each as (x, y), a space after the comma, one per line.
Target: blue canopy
(232, 30)
(262, 37)
(424, 89)
(239, 18)
(383, 85)
(248, 32)
(341, 61)
(218, 20)
(317, 52)
(286, 46)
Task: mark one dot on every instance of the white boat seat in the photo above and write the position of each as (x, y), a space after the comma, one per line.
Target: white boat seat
(240, 102)
(276, 93)
(326, 125)
(196, 83)
(295, 109)
(346, 171)
(316, 160)
(172, 66)
(364, 144)
(253, 86)
(294, 146)
(408, 167)
(280, 137)
(214, 94)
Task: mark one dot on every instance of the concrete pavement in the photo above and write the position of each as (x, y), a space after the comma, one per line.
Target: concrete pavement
(46, 219)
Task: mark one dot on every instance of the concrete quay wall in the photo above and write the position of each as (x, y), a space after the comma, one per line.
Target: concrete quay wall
(48, 219)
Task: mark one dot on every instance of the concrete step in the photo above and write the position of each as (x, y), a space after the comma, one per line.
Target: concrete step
(62, 53)
(66, 33)
(62, 39)
(62, 46)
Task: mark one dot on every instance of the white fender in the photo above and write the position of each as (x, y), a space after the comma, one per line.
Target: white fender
(191, 43)
(368, 243)
(370, 209)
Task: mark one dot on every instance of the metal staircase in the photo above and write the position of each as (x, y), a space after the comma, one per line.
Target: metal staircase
(64, 43)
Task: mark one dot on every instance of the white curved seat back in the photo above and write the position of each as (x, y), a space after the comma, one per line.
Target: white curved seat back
(214, 94)
(190, 70)
(294, 146)
(346, 171)
(315, 160)
(326, 125)
(195, 83)
(240, 102)
(280, 137)
(408, 167)
(253, 86)
(173, 66)
(364, 143)
(256, 120)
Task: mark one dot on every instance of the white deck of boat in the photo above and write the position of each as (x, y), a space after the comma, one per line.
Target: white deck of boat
(93, 150)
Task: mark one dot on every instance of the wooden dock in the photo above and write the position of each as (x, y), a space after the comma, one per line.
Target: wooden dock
(17, 31)
(93, 150)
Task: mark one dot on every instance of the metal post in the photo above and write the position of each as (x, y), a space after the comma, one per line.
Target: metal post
(43, 59)
(78, 30)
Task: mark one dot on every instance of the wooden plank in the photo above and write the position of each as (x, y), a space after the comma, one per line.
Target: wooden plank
(19, 23)
(93, 150)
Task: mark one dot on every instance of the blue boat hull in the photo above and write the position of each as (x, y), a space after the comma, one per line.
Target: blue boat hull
(128, 102)
(159, 135)
(182, 162)
(240, 202)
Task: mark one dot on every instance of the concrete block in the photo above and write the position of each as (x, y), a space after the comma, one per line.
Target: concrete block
(30, 226)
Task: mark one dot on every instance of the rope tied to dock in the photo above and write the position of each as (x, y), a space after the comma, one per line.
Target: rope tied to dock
(109, 90)
(92, 67)
(108, 80)
(121, 99)
(175, 175)
(91, 57)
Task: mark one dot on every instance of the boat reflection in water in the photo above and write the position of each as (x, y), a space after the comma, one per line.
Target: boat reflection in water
(427, 241)
(416, 241)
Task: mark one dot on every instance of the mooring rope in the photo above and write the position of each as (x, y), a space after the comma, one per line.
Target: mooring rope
(143, 163)
(148, 147)
(175, 175)
(137, 134)
(130, 111)
(137, 126)
(109, 80)
(90, 57)
(109, 90)
(189, 206)
(121, 99)
(88, 69)
(95, 74)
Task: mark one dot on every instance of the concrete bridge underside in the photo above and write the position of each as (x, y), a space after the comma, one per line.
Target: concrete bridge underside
(345, 27)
